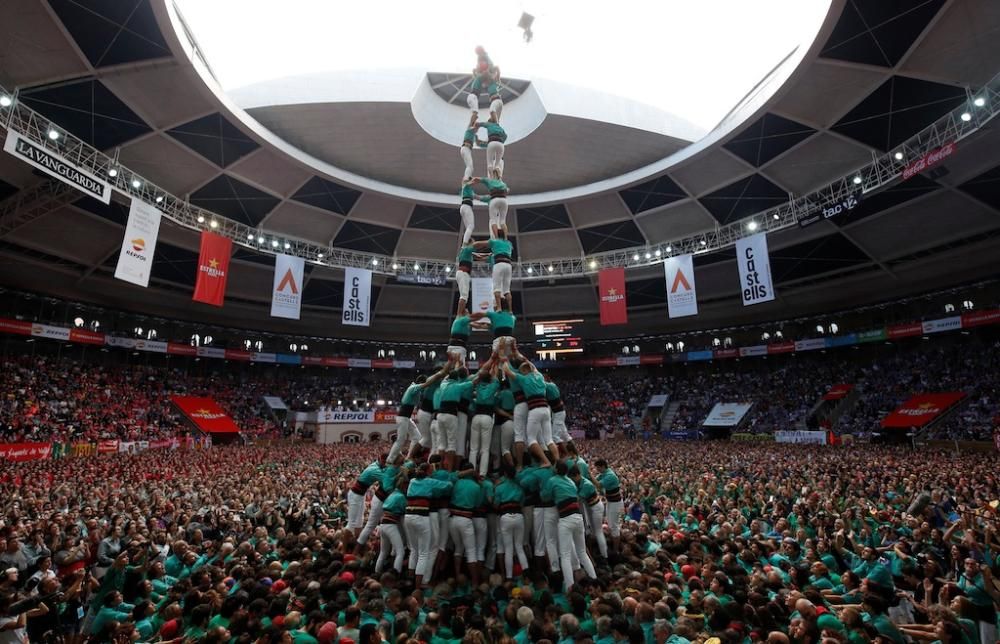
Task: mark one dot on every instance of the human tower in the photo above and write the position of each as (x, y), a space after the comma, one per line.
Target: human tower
(491, 471)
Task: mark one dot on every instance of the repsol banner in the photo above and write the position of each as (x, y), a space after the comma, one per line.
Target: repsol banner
(324, 417)
(57, 166)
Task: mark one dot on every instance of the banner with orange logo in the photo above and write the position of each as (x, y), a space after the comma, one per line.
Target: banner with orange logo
(213, 269)
(286, 295)
(135, 261)
(922, 409)
(611, 291)
(682, 298)
(206, 414)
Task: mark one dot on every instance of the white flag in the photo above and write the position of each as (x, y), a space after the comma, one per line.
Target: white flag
(482, 295)
(135, 261)
(286, 293)
(357, 297)
(682, 298)
(755, 269)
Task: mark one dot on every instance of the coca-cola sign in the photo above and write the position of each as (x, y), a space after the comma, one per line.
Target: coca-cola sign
(929, 160)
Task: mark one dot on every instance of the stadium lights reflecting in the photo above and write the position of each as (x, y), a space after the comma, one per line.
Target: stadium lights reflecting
(669, 248)
(274, 243)
(250, 236)
(704, 243)
(635, 258)
(777, 216)
(530, 270)
(593, 264)
(395, 266)
(752, 225)
(447, 269)
(857, 180)
(260, 240)
(53, 135)
(201, 219)
(658, 253)
(979, 102)
(112, 172)
(374, 262)
(5, 101)
(649, 255)
(287, 245)
(213, 224)
(966, 117)
(416, 266)
(136, 184)
(551, 268)
(159, 199)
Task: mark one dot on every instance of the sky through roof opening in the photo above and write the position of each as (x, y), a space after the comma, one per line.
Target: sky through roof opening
(695, 60)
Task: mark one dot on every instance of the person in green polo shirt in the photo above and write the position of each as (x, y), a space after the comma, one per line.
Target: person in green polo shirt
(484, 398)
(465, 150)
(406, 429)
(502, 322)
(497, 200)
(539, 425)
(501, 254)
(496, 136)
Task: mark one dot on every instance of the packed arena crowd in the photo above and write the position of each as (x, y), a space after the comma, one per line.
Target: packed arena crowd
(730, 541)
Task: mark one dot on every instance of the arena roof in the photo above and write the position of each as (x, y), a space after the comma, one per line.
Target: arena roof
(121, 77)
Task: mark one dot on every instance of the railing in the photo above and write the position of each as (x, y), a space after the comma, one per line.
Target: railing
(978, 109)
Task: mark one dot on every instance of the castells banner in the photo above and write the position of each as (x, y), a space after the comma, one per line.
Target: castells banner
(206, 414)
(923, 409)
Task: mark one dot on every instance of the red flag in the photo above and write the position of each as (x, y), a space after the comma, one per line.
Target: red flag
(611, 289)
(206, 414)
(213, 269)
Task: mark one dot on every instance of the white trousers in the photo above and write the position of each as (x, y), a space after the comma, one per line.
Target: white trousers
(468, 222)
(596, 514)
(494, 155)
(560, 433)
(482, 527)
(444, 528)
(466, 153)
(520, 422)
(439, 441)
(462, 434)
(506, 435)
(424, 419)
(406, 430)
(391, 542)
(479, 442)
(463, 534)
(355, 510)
(418, 532)
(448, 429)
(572, 544)
(496, 107)
(464, 281)
(546, 528)
(498, 212)
(472, 100)
(539, 426)
(374, 518)
(501, 277)
(615, 510)
(512, 535)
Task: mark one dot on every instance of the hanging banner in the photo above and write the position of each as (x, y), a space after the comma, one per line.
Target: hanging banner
(286, 293)
(19, 452)
(726, 414)
(57, 166)
(800, 437)
(213, 269)
(929, 160)
(135, 261)
(611, 290)
(274, 402)
(357, 297)
(682, 299)
(755, 269)
(922, 409)
(482, 295)
(838, 391)
(206, 414)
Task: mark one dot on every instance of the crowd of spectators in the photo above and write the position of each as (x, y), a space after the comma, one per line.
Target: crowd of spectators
(738, 542)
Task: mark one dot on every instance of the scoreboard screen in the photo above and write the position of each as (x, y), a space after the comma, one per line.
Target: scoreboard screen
(557, 337)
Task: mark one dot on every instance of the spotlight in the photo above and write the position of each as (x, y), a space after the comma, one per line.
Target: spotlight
(374, 262)
(979, 102)
(274, 243)
(287, 245)
(213, 224)
(250, 236)
(78, 322)
(113, 172)
(54, 135)
(966, 117)
(395, 266)
(669, 248)
(551, 268)
(857, 180)
(593, 264)
(5, 101)
(159, 199)
(752, 225)
(447, 269)
(530, 270)
(136, 184)
(649, 255)
(635, 258)
(777, 216)
(201, 219)
(260, 240)
(319, 256)
(416, 266)
(898, 156)
(658, 252)
(704, 243)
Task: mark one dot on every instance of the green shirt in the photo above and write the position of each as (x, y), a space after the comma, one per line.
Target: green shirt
(508, 491)
(456, 390)
(494, 185)
(466, 494)
(501, 247)
(501, 320)
(461, 327)
(412, 395)
(494, 129)
(465, 255)
(505, 400)
(561, 488)
(552, 392)
(486, 392)
(533, 384)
